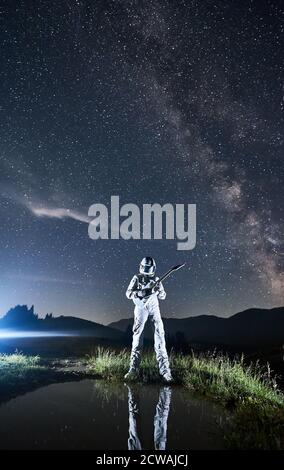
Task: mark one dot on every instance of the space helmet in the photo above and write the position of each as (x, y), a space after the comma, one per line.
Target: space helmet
(147, 266)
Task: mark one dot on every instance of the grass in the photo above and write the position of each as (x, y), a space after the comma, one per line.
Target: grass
(248, 391)
(19, 373)
(18, 367)
(113, 365)
(229, 380)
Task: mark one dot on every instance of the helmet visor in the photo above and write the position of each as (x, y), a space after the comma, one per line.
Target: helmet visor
(147, 269)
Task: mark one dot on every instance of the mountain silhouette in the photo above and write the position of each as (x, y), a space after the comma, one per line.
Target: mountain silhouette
(252, 328)
(22, 318)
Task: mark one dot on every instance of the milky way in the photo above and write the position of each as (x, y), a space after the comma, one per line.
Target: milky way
(154, 101)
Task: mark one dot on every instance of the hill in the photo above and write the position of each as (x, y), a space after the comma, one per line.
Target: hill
(252, 328)
(21, 318)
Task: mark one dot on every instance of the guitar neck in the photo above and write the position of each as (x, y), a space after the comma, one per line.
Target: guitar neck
(163, 277)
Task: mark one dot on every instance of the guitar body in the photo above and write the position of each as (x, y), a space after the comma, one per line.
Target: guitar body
(145, 286)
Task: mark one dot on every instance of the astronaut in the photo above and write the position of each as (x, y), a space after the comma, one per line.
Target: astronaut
(146, 298)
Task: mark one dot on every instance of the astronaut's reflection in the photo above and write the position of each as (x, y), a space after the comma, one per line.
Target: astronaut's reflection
(160, 418)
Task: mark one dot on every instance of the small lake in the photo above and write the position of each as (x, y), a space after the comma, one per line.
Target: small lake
(93, 414)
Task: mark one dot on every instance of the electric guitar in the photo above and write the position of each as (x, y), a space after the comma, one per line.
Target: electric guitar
(152, 288)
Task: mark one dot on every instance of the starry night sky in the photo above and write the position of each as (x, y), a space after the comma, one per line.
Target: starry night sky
(154, 101)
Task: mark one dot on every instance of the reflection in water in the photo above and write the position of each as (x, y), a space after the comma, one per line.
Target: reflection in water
(94, 414)
(160, 418)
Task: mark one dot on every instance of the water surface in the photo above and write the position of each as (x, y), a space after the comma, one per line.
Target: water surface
(93, 414)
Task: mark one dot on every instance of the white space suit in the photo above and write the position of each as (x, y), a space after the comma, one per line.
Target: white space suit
(144, 310)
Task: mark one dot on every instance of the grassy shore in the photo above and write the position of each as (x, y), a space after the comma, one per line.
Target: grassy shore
(20, 373)
(15, 368)
(229, 380)
(250, 393)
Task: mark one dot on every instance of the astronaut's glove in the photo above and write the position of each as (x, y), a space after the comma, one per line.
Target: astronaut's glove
(155, 289)
(141, 294)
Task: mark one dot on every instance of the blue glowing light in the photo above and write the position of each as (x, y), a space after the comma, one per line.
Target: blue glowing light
(10, 334)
